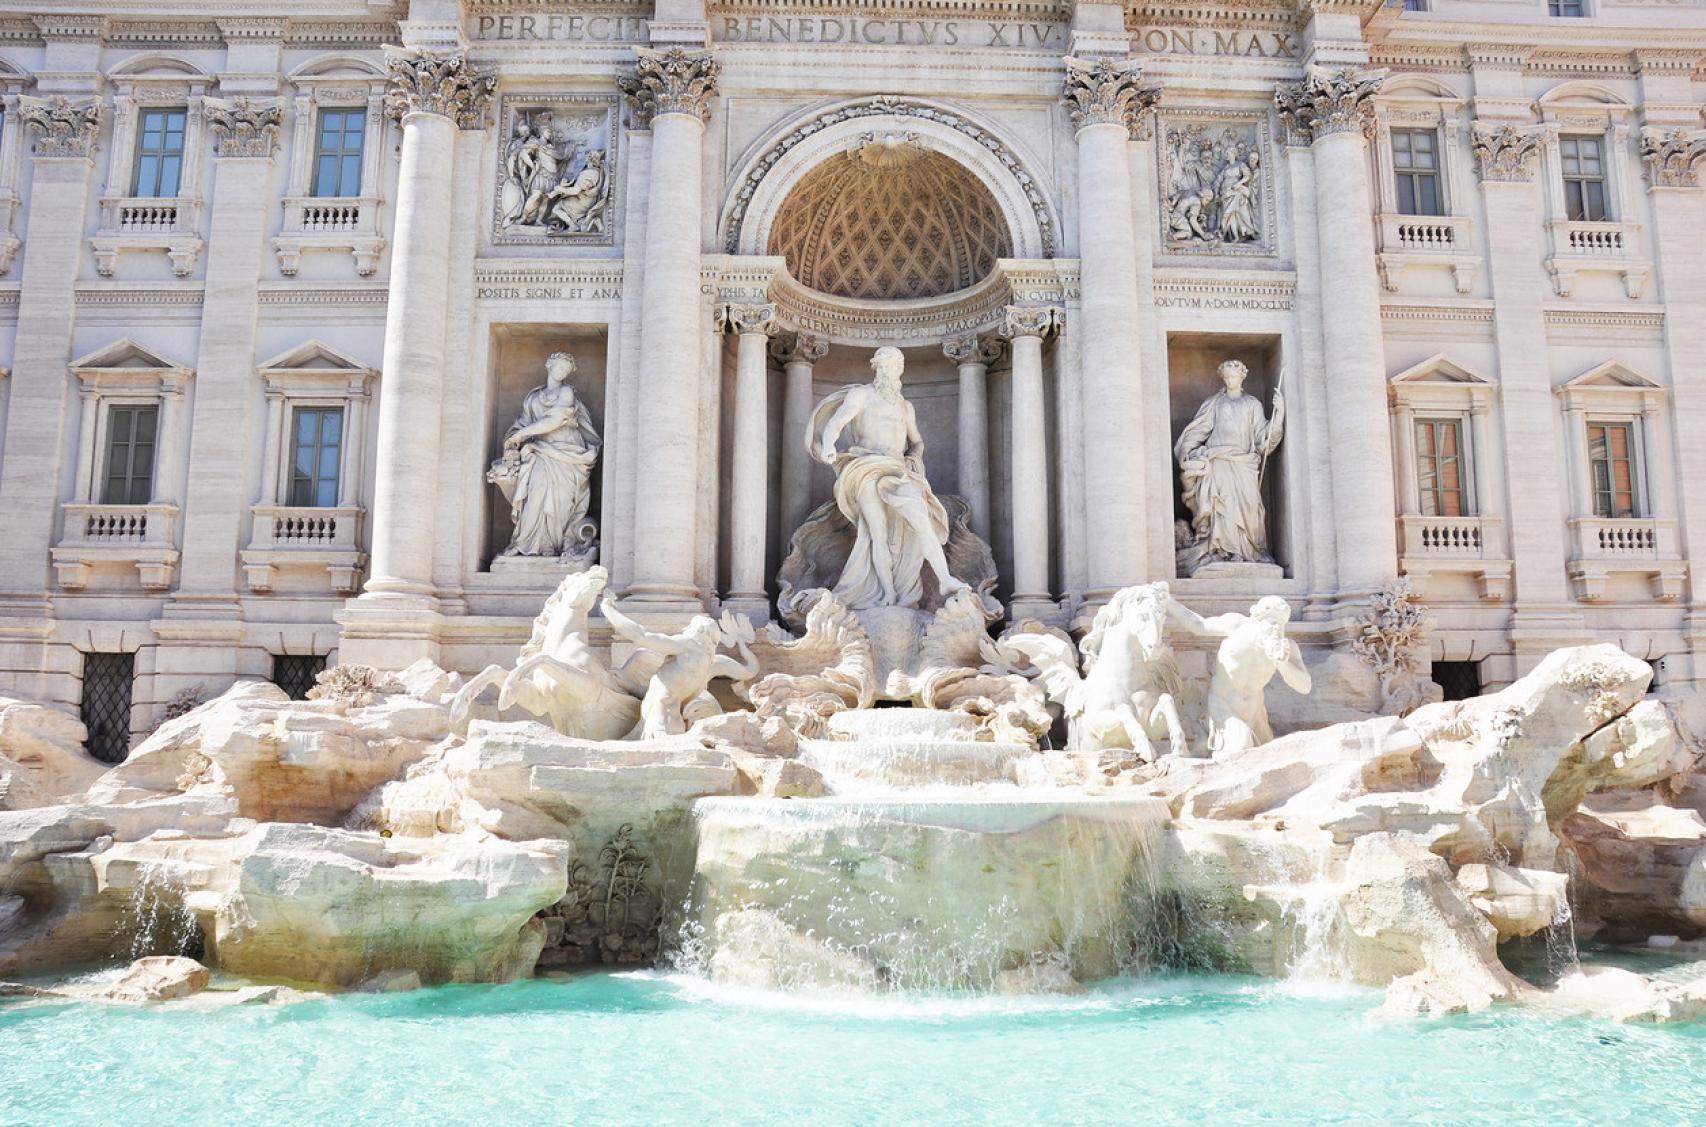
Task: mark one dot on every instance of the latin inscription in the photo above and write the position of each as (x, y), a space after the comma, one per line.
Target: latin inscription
(1200, 41)
(1193, 301)
(858, 31)
(560, 28)
(550, 293)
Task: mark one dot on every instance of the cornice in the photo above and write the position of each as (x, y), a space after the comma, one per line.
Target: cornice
(165, 33)
(330, 34)
(572, 272)
(1212, 13)
(346, 295)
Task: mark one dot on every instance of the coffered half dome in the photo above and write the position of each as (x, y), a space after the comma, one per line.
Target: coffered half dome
(890, 220)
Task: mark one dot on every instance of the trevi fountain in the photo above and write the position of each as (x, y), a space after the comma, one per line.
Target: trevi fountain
(698, 562)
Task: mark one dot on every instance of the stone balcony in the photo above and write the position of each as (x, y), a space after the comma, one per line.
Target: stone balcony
(1605, 247)
(130, 224)
(1472, 546)
(1427, 240)
(1603, 547)
(141, 536)
(316, 223)
(290, 538)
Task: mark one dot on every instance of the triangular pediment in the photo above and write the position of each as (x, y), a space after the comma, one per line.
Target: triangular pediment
(313, 356)
(126, 355)
(1614, 376)
(1439, 369)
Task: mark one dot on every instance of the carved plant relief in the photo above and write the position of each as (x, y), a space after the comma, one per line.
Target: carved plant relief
(1216, 189)
(556, 170)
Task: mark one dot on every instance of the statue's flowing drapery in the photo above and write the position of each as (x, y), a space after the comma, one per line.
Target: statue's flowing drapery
(553, 489)
(893, 484)
(1220, 471)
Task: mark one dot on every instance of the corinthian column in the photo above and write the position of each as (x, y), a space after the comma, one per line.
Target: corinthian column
(1673, 161)
(672, 90)
(797, 353)
(64, 133)
(433, 95)
(245, 137)
(1107, 102)
(974, 355)
(1330, 111)
(749, 502)
(1025, 327)
(1541, 501)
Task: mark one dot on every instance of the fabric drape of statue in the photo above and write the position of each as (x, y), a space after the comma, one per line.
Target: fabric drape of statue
(894, 485)
(1220, 468)
(554, 488)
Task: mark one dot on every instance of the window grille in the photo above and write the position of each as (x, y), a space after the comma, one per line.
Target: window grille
(105, 708)
(1461, 680)
(295, 673)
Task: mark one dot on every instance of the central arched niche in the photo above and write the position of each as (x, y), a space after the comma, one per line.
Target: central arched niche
(890, 221)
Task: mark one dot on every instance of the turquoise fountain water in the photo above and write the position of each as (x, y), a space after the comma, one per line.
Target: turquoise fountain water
(645, 1049)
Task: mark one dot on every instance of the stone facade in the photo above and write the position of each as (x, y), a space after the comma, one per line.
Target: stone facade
(273, 288)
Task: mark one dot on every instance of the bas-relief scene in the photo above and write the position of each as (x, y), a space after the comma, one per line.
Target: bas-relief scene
(880, 632)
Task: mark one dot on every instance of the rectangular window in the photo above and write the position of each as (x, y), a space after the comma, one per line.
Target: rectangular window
(337, 153)
(1584, 178)
(295, 673)
(316, 441)
(1570, 8)
(129, 478)
(1611, 459)
(1415, 162)
(1439, 467)
(159, 153)
(105, 707)
(1415, 5)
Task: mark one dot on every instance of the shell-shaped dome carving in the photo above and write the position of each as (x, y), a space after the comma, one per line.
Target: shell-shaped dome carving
(890, 221)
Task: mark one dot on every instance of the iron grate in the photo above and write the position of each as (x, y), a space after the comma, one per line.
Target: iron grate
(295, 673)
(107, 681)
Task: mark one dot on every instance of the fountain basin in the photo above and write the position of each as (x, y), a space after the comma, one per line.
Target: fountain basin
(920, 892)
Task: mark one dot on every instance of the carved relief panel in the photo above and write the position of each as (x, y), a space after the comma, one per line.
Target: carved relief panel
(1216, 183)
(557, 170)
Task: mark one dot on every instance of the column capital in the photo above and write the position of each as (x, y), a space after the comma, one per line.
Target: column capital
(1328, 101)
(670, 81)
(798, 348)
(1108, 92)
(63, 128)
(244, 128)
(748, 318)
(1672, 156)
(443, 84)
(973, 349)
(1504, 153)
(1030, 320)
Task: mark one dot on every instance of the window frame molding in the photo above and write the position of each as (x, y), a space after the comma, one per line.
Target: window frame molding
(171, 224)
(1425, 240)
(321, 538)
(1647, 544)
(1613, 245)
(317, 223)
(1474, 544)
(93, 533)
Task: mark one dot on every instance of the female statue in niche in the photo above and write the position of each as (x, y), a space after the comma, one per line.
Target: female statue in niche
(546, 470)
(1222, 454)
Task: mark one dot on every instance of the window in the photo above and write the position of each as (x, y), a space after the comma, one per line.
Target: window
(105, 708)
(1611, 461)
(130, 455)
(159, 153)
(1415, 162)
(1569, 8)
(1415, 5)
(295, 673)
(337, 153)
(317, 439)
(1440, 466)
(1584, 178)
(1461, 680)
